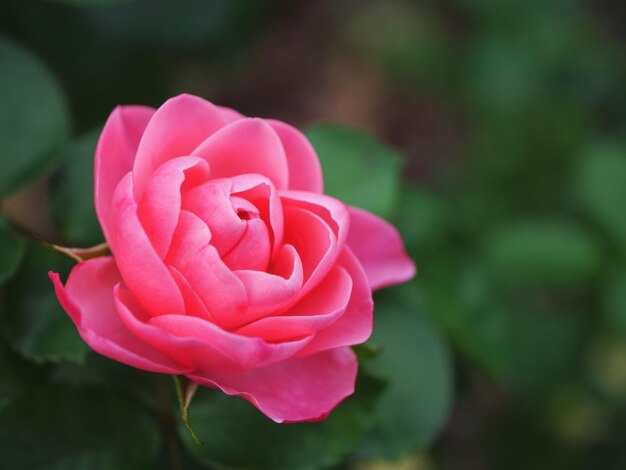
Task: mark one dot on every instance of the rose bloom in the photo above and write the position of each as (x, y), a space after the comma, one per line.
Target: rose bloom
(229, 265)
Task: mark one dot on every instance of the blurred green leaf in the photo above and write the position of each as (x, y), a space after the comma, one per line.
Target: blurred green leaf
(503, 76)
(237, 435)
(605, 364)
(76, 428)
(421, 217)
(100, 371)
(154, 23)
(601, 187)
(366, 351)
(460, 296)
(33, 321)
(417, 366)
(16, 374)
(72, 201)
(542, 251)
(614, 301)
(358, 169)
(34, 120)
(545, 348)
(11, 250)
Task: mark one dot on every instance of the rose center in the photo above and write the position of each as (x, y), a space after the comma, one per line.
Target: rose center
(246, 215)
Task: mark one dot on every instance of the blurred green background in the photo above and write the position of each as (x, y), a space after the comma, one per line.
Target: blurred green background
(492, 133)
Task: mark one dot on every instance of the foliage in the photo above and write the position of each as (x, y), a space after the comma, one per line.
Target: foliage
(500, 155)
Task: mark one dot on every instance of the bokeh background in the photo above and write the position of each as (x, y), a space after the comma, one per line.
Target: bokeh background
(492, 133)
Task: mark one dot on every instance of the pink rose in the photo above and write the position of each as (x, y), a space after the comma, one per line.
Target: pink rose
(230, 266)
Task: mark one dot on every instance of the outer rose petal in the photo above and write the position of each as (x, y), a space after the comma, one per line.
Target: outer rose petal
(269, 292)
(143, 271)
(115, 155)
(317, 225)
(176, 128)
(355, 325)
(379, 248)
(305, 171)
(88, 300)
(296, 390)
(246, 146)
(200, 344)
(230, 114)
(319, 309)
(160, 205)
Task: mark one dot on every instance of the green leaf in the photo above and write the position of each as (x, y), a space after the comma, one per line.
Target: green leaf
(614, 299)
(33, 321)
(543, 251)
(77, 428)
(422, 218)
(366, 351)
(358, 169)
(72, 201)
(34, 120)
(416, 363)
(16, 374)
(238, 435)
(11, 250)
(601, 187)
(544, 349)
(460, 297)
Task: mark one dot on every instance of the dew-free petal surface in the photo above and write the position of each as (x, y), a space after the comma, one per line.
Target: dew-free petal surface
(248, 145)
(176, 128)
(142, 269)
(317, 310)
(221, 291)
(355, 325)
(115, 155)
(88, 299)
(379, 248)
(200, 344)
(295, 390)
(305, 170)
(160, 203)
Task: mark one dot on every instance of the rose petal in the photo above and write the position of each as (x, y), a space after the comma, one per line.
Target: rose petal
(143, 271)
(176, 128)
(318, 310)
(379, 248)
(230, 114)
(317, 226)
(314, 242)
(212, 203)
(355, 325)
(200, 344)
(252, 252)
(160, 204)
(305, 171)
(222, 292)
(263, 195)
(268, 292)
(193, 303)
(88, 299)
(246, 146)
(115, 155)
(332, 211)
(190, 236)
(305, 389)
